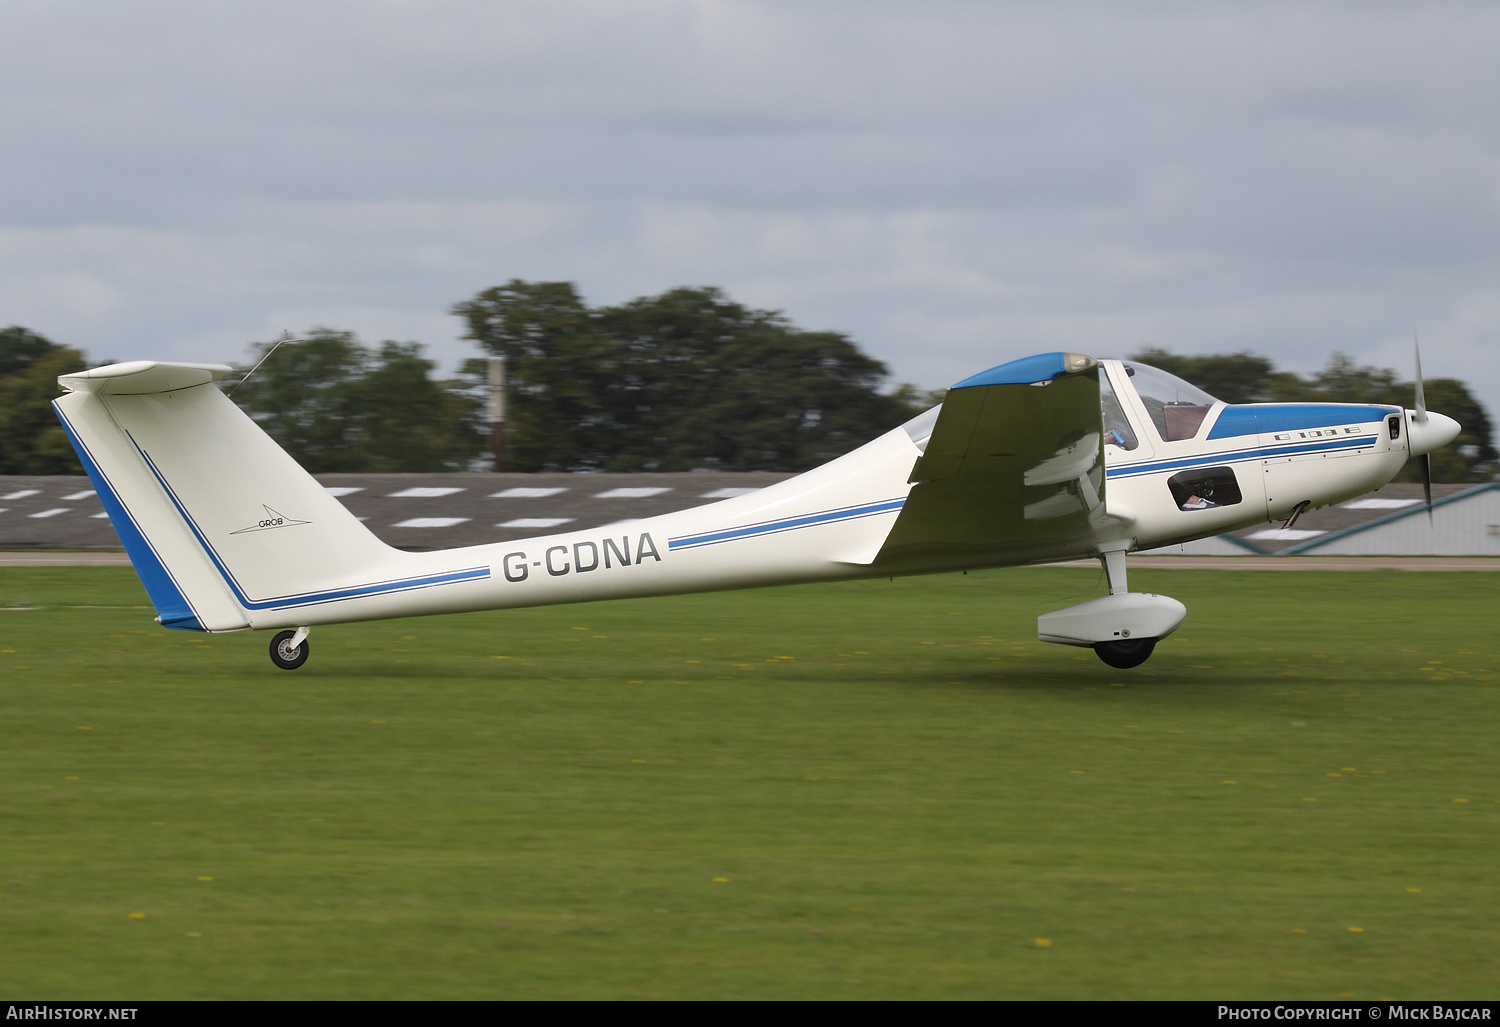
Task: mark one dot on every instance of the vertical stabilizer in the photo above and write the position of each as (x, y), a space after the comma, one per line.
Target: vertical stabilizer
(218, 520)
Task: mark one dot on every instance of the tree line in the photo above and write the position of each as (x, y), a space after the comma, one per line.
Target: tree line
(683, 380)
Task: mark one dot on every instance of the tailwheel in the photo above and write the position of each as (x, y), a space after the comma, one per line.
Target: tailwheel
(1126, 653)
(289, 649)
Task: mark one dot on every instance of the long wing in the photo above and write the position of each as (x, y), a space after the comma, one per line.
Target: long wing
(1013, 472)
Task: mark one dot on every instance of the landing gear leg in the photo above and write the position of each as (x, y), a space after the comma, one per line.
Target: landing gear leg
(1114, 566)
(1122, 653)
(289, 649)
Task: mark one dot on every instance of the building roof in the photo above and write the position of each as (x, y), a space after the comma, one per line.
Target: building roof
(409, 511)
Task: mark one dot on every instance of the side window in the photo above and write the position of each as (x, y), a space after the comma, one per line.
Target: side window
(1116, 429)
(1204, 488)
(919, 428)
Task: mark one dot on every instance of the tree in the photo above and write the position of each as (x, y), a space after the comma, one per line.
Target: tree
(682, 380)
(1470, 457)
(32, 440)
(558, 370)
(415, 423)
(916, 399)
(335, 406)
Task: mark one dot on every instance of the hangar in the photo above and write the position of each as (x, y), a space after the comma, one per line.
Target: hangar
(1391, 521)
(1464, 523)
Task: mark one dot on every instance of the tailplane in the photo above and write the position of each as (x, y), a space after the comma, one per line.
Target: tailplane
(221, 524)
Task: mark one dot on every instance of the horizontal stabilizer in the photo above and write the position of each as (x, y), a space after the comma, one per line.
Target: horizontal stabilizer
(142, 377)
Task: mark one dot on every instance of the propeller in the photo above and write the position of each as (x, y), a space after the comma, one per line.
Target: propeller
(1419, 417)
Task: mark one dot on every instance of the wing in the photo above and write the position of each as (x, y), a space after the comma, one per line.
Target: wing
(1013, 471)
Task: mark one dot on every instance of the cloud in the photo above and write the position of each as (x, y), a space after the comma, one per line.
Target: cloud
(953, 184)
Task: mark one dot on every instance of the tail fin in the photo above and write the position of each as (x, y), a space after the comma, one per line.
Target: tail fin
(218, 520)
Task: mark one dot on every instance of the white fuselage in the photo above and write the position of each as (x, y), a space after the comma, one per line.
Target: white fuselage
(228, 532)
(830, 523)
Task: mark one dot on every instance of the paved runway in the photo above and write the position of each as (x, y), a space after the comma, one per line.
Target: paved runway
(46, 558)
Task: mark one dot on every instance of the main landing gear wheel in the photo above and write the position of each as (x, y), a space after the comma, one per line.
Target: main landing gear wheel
(282, 653)
(1125, 654)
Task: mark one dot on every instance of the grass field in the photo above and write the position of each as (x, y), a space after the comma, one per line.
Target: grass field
(880, 790)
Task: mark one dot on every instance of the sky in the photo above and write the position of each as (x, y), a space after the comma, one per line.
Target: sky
(951, 184)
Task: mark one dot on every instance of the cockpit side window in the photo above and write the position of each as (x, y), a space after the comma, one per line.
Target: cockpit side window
(1116, 428)
(1177, 408)
(919, 428)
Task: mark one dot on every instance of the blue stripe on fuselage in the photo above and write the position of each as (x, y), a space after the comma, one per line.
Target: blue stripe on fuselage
(846, 513)
(1259, 418)
(1353, 443)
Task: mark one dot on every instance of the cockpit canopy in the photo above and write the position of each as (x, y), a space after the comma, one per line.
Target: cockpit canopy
(1177, 408)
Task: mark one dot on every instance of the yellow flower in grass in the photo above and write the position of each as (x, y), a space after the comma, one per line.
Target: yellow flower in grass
(1042, 943)
(137, 916)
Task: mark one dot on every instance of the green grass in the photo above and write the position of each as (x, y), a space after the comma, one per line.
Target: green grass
(902, 789)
